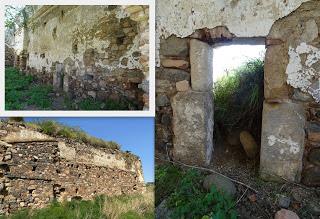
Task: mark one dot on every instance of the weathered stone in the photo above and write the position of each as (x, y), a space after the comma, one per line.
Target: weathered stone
(172, 75)
(313, 131)
(286, 214)
(92, 94)
(314, 156)
(25, 135)
(182, 85)
(249, 144)
(311, 176)
(175, 63)
(275, 78)
(5, 144)
(162, 100)
(174, 46)
(223, 184)
(284, 202)
(201, 66)
(282, 141)
(193, 127)
(301, 96)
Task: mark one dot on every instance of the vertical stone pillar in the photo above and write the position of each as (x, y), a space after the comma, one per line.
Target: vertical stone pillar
(193, 110)
(201, 66)
(282, 141)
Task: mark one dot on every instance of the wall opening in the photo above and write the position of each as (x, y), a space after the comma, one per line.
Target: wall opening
(238, 87)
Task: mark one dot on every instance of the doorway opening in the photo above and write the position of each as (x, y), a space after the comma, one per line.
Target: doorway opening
(238, 87)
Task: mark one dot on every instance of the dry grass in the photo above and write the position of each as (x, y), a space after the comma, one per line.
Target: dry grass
(135, 206)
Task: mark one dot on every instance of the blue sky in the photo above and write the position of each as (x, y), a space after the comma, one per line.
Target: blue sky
(133, 134)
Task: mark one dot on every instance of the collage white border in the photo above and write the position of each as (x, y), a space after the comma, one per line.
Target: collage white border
(42, 113)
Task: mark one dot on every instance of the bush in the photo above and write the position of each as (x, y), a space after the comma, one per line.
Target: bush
(238, 97)
(189, 200)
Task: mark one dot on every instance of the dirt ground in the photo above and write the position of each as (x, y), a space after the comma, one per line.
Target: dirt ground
(233, 162)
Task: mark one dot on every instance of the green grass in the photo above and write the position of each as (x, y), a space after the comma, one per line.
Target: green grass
(121, 207)
(20, 91)
(66, 210)
(187, 198)
(54, 128)
(238, 97)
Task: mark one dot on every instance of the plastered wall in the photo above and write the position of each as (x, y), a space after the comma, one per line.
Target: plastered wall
(88, 51)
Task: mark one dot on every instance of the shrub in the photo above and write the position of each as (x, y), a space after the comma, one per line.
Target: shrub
(238, 97)
(188, 199)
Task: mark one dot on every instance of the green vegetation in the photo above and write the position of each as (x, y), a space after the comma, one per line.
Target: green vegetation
(187, 198)
(57, 129)
(238, 97)
(93, 104)
(122, 207)
(131, 207)
(20, 91)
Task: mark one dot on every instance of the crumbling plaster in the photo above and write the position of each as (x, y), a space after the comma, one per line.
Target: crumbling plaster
(243, 18)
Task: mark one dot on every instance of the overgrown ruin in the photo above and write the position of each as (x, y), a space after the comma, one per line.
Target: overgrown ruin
(291, 120)
(99, 52)
(37, 169)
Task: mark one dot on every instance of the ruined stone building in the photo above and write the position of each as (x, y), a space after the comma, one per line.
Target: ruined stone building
(290, 142)
(99, 52)
(36, 169)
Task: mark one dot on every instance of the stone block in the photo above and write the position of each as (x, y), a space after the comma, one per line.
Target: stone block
(174, 46)
(175, 63)
(282, 141)
(201, 66)
(193, 127)
(25, 135)
(275, 78)
(172, 75)
(182, 85)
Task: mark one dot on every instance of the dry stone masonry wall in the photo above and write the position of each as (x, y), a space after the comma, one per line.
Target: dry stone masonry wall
(88, 51)
(291, 126)
(36, 169)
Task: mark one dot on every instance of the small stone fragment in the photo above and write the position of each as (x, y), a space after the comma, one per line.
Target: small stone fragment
(175, 63)
(284, 202)
(223, 184)
(286, 214)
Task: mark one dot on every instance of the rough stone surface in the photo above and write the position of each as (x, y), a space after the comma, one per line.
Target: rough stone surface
(174, 46)
(311, 176)
(282, 141)
(175, 63)
(25, 135)
(221, 183)
(286, 214)
(201, 66)
(249, 144)
(193, 127)
(162, 210)
(182, 85)
(314, 156)
(284, 202)
(314, 132)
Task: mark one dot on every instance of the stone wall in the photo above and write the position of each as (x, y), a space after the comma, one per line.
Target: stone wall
(9, 56)
(96, 52)
(291, 80)
(36, 169)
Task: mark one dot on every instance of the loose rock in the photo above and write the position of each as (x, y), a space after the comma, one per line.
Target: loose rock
(284, 202)
(223, 184)
(286, 214)
(249, 144)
